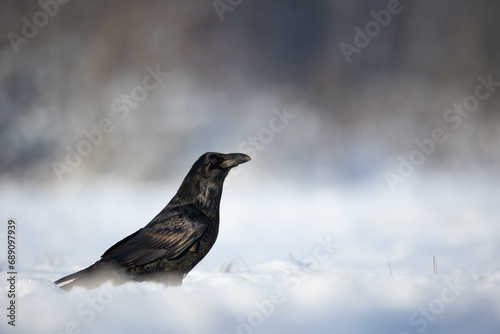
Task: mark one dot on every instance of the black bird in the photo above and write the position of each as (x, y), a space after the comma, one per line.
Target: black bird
(179, 237)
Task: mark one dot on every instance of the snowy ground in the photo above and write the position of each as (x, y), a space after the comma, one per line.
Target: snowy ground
(289, 259)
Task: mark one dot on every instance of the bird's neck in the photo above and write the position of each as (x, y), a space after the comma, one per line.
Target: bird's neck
(204, 195)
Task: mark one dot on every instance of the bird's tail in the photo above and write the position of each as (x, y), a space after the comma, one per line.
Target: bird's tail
(89, 278)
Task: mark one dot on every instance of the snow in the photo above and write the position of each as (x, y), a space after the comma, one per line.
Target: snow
(290, 258)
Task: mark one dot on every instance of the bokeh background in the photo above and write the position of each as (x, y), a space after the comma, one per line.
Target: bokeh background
(267, 78)
(229, 69)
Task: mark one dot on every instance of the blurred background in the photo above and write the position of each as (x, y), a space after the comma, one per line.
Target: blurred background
(371, 124)
(65, 68)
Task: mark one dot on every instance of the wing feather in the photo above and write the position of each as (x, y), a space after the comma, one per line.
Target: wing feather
(168, 235)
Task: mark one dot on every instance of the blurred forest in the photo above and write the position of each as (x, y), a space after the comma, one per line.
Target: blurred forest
(233, 66)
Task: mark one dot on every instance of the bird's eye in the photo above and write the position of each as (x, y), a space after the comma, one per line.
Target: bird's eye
(213, 161)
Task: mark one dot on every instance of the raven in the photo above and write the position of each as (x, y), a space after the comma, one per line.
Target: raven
(179, 237)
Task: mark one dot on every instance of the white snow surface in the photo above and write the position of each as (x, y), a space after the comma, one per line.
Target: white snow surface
(289, 259)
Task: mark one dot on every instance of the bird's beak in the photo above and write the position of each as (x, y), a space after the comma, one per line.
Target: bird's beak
(234, 159)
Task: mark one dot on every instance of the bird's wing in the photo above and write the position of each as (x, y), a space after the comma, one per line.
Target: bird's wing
(168, 235)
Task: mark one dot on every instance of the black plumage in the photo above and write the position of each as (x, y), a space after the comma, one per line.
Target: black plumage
(179, 237)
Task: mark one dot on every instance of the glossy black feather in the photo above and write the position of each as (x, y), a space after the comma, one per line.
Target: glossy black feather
(179, 237)
(168, 235)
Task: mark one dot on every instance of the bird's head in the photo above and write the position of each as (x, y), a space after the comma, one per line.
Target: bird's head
(203, 183)
(212, 165)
